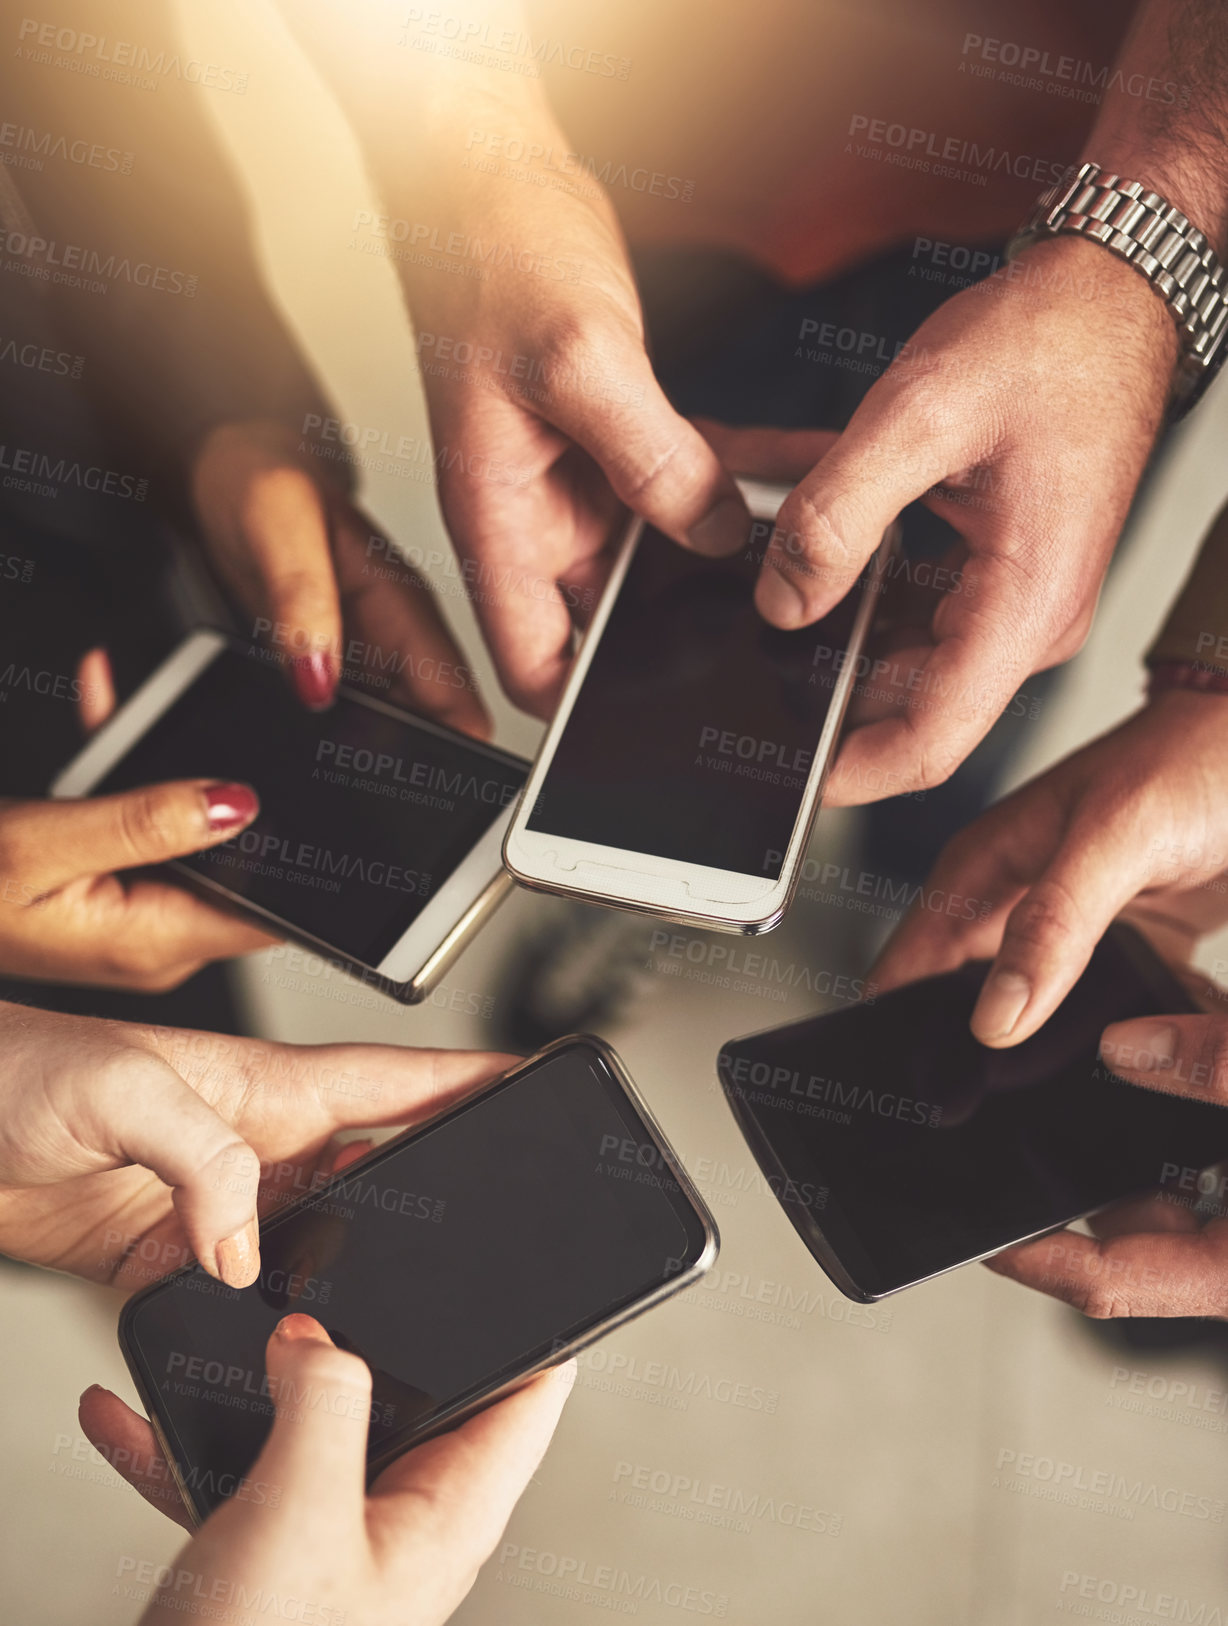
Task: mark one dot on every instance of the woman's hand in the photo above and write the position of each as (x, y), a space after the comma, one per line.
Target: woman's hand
(68, 913)
(315, 1546)
(126, 1151)
(323, 586)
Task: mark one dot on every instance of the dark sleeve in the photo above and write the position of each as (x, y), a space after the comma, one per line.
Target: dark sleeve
(154, 275)
(1196, 630)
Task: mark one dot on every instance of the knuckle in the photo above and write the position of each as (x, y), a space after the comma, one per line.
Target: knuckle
(1101, 1301)
(1047, 917)
(149, 822)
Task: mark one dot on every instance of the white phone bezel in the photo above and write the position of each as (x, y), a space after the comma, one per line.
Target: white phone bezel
(670, 889)
(420, 954)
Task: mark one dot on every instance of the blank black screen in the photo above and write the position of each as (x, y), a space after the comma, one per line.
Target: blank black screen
(363, 815)
(928, 1149)
(457, 1261)
(697, 722)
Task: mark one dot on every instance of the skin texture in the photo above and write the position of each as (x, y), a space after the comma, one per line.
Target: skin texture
(1134, 824)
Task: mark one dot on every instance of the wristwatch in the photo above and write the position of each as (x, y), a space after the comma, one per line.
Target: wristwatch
(1155, 238)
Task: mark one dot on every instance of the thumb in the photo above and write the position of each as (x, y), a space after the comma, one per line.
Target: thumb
(1181, 1055)
(658, 463)
(139, 1110)
(316, 1453)
(48, 844)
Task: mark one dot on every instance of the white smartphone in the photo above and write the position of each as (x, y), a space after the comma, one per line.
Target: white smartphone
(377, 842)
(683, 770)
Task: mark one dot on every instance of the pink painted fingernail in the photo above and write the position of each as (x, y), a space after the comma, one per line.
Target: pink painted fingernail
(229, 805)
(315, 679)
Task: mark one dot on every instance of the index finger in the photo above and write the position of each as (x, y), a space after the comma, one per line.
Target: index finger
(1148, 1273)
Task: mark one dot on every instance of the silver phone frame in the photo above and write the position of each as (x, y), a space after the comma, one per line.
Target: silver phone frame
(523, 853)
(414, 964)
(666, 1289)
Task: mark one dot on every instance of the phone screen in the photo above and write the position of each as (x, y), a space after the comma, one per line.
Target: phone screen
(363, 815)
(453, 1262)
(696, 725)
(910, 1147)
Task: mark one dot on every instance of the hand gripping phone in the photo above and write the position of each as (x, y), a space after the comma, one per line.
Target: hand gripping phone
(377, 842)
(684, 768)
(458, 1259)
(900, 1147)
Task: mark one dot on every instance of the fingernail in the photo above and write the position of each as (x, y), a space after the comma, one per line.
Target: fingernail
(238, 1257)
(1000, 1006)
(315, 679)
(301, 1328)
(94, 1389)
(1139, 1047)
(227, 806)
(723, 529)
(350, 1153)
(778, 601)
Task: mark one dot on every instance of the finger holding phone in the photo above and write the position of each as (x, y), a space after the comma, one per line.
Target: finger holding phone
(307, 1533)
(1163, 1254)
(1138, 816)
(70, 911)
(127, 1151)
(323, 585)
(1133, 824)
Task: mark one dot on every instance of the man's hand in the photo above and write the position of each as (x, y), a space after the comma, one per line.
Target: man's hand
(313, 1540)
(546, 414)
(323, 587)
(1008, 414)
(1139, 816)
(126, 1151)
(1160, 1255)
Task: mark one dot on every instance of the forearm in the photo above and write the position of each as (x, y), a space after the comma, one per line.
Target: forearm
(1164, 118)
(413, 80)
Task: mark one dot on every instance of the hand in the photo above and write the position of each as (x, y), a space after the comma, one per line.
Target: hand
(1008, 415)
(69, 914)
(546, 414)
(323, 585)
(318, 1548)
(1139, 816)
(126, 1151)
(1164, 1254)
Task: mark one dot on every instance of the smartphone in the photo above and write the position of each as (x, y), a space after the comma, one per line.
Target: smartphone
(458, 1260)
(684, 767)
(900, 1147)
(378, 839)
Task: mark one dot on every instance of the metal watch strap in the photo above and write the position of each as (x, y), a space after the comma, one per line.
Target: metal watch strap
(1155, 238)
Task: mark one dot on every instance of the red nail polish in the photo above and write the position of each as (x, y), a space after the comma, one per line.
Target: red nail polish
(315, 680)
(230, 805)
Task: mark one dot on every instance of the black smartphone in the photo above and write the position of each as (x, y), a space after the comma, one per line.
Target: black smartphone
(900, 1147)
(379, 834)
(458, 1259)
